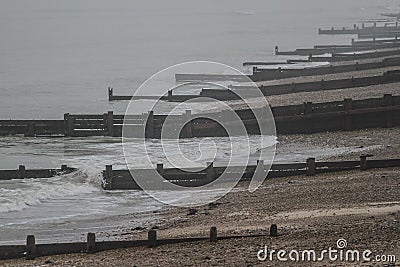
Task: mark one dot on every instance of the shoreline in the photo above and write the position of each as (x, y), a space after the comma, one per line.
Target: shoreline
(382, 143)
(311, 212)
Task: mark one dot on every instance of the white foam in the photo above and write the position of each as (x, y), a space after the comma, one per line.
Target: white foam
(32, 192)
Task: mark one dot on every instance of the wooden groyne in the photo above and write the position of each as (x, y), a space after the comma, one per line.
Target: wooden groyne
(361, 30)
(194, 77)
(112, 97)
(376, 41)
(338, 57)
(260, 74)
(170, 97)
(123, 180)
(380, 35)
(306, 118)
(23, 173)
(33, 250)
(322, 85)
(323, 49)
(391, 15)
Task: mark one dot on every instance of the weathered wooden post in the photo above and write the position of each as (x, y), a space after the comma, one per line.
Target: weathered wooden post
(71, 125)
(64, 168)
(188, 126)
(110, 123)
(310, 167)
(152, 238)
(150, 125)
(210, 172)
(363, 162)
(91, 243)
(110, 94)
(109, 177)
(160, 168)
(273, 230)
(30, 247)
(307, 106)
(293, 87)
(30, 129)
(348, 105)
(387, 102)
(213, 234)
(21, 172)
(66, 120)
(170, 95)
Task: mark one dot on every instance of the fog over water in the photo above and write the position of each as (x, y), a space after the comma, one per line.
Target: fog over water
(60, 56)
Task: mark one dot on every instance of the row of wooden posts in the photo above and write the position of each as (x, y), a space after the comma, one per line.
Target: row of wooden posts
(32, 250)
(123, 179)
(356, 29)
(236, 92)
(23, 173)
(263, 74)
(355, 46)
(311, 167)
(306, 118)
